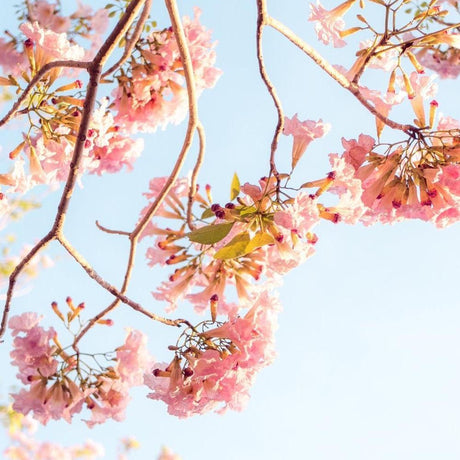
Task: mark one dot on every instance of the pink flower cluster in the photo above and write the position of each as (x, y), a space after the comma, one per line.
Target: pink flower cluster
(304, 133)
(25, 447)
(218, 377)
(330, 23)
(152, 94)
(55, 46)
(407, 184)
(112, 394)
(49, 30)
(55, 390)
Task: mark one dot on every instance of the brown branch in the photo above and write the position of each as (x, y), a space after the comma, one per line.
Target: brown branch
(119, 31)
(335, 74)
(112, 232)
(14, 275)
(262, 21)
(37, 77)
(110, 288)
(131, 41)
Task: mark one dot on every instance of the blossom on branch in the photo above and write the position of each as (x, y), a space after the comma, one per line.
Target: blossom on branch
(303, 132)
(329, 23)
(151, 92)
(220, 368)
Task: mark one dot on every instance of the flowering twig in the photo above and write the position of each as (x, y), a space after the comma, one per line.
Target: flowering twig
(335, 74)
(112, 289)
(37, 77)
(94, 71)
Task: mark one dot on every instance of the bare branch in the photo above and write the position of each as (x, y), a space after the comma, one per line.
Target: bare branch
(14, 275)
(262, 21)
(196, 170)
(112, 232)
(109, 287)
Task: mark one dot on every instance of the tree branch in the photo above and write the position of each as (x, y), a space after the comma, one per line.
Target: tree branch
(262, 21)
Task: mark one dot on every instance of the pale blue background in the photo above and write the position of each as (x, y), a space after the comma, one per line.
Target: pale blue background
(369, 341)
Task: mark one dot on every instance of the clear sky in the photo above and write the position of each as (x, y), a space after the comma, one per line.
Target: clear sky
(369, 342)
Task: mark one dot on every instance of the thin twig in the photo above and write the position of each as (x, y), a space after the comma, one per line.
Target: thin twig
(112, 232)
(110, 288)
(262, 21)
(193, 180)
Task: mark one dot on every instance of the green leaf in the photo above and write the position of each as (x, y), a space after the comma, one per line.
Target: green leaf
(207, 213)
(248, 210)
(210, 234)
(236, 247)
(260, 239)
(235, 187)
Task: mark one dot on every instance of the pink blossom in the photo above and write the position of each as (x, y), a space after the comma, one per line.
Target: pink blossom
(32, 352)
(45, 14)
(154, 95)
(293, 244)
(99, 20)
(350, 206)
(54, 44)
(427, 191)
(133, 358)
(111, 402)
(424, 89)
(111, 396)
(329, 24)
(23, 322)
(303, 133)
(383, 103)
(385, 60)
(170, 205)
(108, 148)
(448, 217)
(216, 381)
(356, 151)
(11, 60)
(167, 454)
(445, 63)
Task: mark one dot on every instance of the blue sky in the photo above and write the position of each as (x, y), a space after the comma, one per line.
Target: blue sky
(368, 343)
